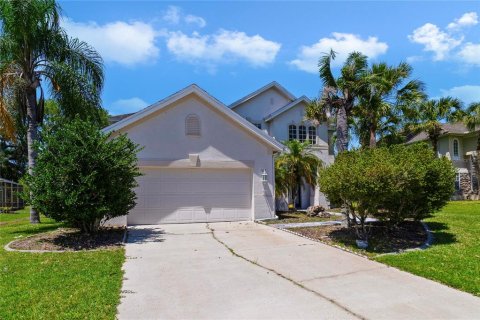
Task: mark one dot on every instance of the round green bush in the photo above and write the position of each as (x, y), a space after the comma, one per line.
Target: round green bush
(390, 183)
(82, 176)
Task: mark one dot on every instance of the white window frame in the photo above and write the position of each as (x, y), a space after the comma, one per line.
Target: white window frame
(312, 140)
(456, 156)
(292, 130)
(305, 134)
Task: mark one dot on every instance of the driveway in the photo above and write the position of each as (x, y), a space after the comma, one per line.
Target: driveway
(246, 270)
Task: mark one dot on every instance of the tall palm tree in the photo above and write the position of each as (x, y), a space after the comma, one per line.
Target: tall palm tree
(385, 95)
(294, 167)
(36, 56)
(471, 118)
(430, 114)
(339, 94)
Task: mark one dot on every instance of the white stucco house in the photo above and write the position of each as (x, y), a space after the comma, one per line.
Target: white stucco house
(203, 161)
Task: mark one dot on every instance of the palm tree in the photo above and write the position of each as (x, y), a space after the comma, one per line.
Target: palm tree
(383, 99)
(430, 114)
(339, 94)
(294, 167)
(471, 118)
(37, 55)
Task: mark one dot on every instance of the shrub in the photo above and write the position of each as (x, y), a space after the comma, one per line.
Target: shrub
(391, 183)
(82, 176)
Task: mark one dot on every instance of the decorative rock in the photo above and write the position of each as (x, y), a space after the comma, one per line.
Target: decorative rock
(314, 211)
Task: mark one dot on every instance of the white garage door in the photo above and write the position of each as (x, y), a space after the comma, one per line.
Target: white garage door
(192, 195)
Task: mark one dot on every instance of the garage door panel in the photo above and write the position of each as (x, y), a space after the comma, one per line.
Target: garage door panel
(192, 195)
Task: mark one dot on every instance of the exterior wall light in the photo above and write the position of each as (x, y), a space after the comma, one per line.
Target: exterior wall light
(264, 175)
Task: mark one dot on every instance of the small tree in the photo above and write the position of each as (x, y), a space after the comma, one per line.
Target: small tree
(393, 184)
(295, 166)
(83, 176)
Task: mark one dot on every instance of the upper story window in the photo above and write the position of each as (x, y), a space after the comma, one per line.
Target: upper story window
(292, 132)
(455, 149)
(302, 133)
(312, 134)
(192, 125)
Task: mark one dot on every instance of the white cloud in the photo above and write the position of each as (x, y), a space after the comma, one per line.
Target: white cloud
(222, 47)
(343, 44)
(127, 106)
(199, 21)
(470, 54)
(435, 40)
(466, 20)
(174, 15)
(414, 59)
(467, 93)
(448, 43)
(119, 42)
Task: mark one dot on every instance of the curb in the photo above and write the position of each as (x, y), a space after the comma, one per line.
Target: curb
(319, 241)
(9, 249)
(424, 246)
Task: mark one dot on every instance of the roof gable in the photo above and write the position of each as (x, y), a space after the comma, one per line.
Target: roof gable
(216, 104)
(263, 89)
(287, 107)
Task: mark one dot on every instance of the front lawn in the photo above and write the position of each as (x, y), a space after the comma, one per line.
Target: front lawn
(77, 285)
(298, 217)
(454, 259)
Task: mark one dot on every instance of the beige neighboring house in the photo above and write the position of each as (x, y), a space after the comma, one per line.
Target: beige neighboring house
(459, 145)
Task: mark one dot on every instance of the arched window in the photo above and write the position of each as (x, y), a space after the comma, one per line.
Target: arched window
(455, 148)
(302, 133)
(292, 132)
(312, 134)
(192, 125)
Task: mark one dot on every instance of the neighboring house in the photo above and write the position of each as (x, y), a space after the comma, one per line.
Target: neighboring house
(201, 162)
(459, 145)
(281, 115)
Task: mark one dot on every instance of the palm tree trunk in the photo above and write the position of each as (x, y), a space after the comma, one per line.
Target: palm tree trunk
(373, 137)
(32, 134)
(342, 129)
(435, 146)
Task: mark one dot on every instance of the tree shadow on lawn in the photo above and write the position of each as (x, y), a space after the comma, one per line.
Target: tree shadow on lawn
(31, 229)
(440, 234)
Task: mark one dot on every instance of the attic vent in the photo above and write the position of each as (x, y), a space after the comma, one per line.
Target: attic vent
(192, 125)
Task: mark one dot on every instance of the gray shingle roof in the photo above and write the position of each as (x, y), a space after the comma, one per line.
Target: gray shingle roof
(115, 119)
(447, 128)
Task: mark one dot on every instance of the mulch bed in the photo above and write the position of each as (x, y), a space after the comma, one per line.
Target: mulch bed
(408, 235)
(69, 239)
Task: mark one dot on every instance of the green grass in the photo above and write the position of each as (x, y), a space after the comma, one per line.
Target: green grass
(454, 259)
(298, 217)
(81, 285)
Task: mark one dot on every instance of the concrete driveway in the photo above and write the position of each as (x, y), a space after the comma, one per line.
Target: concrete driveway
(246, 270)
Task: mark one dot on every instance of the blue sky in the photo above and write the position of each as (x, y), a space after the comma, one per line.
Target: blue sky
(153, 49)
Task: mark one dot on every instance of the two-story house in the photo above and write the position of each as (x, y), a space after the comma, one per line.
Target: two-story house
(274, 110)
(281, 115)
(459, 145)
